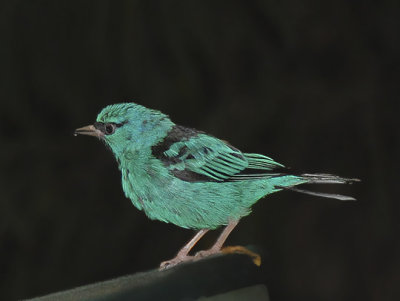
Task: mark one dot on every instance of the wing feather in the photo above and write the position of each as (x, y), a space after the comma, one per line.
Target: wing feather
(212, 158)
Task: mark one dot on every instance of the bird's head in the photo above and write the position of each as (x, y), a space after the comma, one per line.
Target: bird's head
(127, 125)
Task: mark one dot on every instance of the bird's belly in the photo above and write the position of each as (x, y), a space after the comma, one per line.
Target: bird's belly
(197, 205)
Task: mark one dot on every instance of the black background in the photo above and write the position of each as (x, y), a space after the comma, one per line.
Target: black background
(313, 84)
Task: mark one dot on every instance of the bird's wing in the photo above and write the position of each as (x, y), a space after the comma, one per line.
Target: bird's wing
(205, 158)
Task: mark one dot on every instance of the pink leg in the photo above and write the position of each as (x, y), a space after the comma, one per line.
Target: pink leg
(216, 248)
(182, 255)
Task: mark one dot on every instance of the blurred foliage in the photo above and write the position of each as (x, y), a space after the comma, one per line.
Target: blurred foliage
(312, 84)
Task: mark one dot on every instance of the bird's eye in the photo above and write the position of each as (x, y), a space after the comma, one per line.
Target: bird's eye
(109, 128)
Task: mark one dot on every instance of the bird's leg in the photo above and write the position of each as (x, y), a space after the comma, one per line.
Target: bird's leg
(183, 253)
(216, 248)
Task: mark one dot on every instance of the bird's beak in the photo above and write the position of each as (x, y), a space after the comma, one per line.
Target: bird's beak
(89, 130)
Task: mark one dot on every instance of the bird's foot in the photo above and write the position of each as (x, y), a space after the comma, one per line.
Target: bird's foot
(242, 250)
(206, 253)
(175, 261)
(229, 250)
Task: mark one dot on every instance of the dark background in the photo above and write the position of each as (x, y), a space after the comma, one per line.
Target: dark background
(313, 84)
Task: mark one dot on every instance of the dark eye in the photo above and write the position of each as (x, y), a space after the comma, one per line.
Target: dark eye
(109, 128)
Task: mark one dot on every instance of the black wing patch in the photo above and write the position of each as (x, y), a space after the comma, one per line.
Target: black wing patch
(194, 156)
(176, 134)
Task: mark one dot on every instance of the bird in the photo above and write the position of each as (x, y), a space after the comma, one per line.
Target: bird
(184, 176)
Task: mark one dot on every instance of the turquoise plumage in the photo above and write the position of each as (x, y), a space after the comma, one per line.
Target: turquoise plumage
(189, 178)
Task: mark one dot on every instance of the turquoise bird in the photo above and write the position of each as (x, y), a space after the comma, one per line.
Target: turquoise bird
(186, 177)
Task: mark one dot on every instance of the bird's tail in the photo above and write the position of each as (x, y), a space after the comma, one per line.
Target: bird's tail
(323, 179)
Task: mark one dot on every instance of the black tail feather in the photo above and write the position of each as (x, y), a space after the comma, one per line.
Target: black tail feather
(322, 194)
(324, 179)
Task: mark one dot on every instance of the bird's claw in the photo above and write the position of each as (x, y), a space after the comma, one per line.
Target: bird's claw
(256, 258)
(175, 261)
(206, 253)
(213, 251)
(185, 258)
